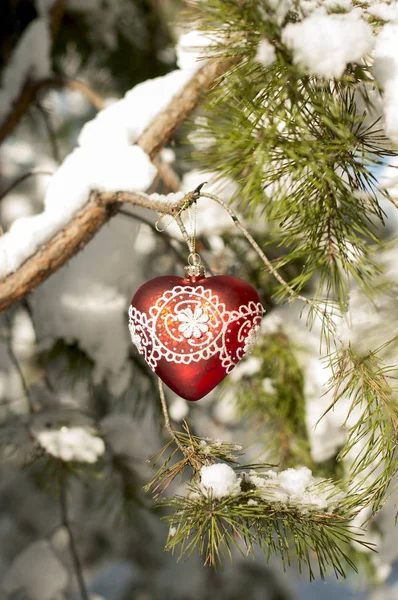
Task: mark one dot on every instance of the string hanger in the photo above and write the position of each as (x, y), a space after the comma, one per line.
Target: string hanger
(189, 204)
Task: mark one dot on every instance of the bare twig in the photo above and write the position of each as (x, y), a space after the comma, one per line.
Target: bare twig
(14, 360)
(52, 138)
(76, 86)
(22, 178)
(167, 238)
(101, 207)
(166, 416)
(169, 176)
(184, 233)
(31, 90)
(72, 543)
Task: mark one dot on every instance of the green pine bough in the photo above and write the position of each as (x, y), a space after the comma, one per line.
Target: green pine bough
(303, 155)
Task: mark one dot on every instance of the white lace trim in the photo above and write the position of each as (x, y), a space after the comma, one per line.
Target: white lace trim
(188, 324)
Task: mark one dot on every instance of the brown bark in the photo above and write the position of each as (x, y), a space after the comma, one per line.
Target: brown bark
(101, 207)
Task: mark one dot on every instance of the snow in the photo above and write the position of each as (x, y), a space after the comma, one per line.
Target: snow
(293, 487)
(247, 368)
(295, 481)
(31, 58)
(105, 161)
(324, 44)
(265, 54)
(178, 409)
(385, 12)
(37, 573)
(172, 531)
(124, 121)
(191, 49)
(225, 409)
(92, 294)
(72, 443)
(211, 217)
(128, 169)
(219, 480)
(23, 335)
(385, 69)
(268, 386)
(340, 4)
(297, 487)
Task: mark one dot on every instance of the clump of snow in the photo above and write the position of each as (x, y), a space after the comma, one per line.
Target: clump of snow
(265, 54)
(219, 480)
(295, 481)
(385, 69)
(191, 49)
(293, 487)
(297, 487)
(72, 443)
(31, 58)
(324, 44)
(37, 573)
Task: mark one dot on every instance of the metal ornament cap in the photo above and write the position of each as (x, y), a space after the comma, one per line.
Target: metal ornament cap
(194, 272)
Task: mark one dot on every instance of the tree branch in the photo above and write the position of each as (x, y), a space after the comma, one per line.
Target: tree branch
(72, 543)
(102, 206)
(22, 178)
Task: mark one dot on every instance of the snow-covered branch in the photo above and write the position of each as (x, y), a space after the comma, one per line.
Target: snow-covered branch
(99, 175)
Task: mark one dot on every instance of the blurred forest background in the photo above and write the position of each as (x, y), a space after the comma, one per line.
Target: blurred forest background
(66, 359)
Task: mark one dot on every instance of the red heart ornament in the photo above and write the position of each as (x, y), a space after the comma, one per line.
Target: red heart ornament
(192, 332)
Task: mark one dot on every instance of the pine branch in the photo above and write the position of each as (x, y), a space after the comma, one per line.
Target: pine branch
(72, 543)
(372, 422)
(256, 519)
(298, 150)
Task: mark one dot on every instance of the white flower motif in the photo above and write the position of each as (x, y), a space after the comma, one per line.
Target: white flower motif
(251, 340)
(193, 323)
(135, 337)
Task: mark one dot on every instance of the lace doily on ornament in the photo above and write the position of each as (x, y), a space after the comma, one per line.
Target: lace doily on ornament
(189, 324)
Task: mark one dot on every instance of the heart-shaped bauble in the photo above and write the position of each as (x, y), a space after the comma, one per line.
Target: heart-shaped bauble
(192, 332)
